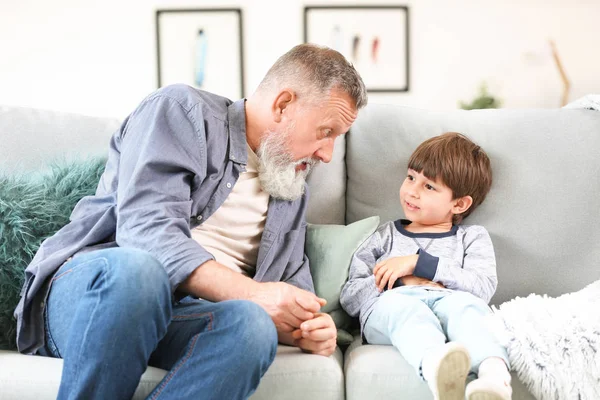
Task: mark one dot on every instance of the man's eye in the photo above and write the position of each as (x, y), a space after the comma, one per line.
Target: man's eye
(328, 132)
(429, 187)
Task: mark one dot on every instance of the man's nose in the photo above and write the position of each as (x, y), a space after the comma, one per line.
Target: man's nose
(325, 153)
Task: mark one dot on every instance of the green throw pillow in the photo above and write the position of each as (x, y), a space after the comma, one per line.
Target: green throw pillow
(33, 207)
(329, 249)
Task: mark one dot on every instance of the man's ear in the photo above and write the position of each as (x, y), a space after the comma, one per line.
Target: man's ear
(281, 103)
(462, 204)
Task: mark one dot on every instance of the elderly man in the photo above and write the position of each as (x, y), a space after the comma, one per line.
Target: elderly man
(190, 256)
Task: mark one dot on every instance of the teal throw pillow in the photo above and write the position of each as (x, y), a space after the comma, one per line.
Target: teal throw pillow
(329, 249)
(33, 207)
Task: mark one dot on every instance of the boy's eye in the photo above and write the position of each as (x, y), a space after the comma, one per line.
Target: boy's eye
(410, 177)
(429, 187)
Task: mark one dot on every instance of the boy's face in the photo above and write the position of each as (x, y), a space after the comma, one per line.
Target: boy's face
(425, 201)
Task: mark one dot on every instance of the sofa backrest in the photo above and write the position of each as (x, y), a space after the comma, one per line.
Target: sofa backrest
(543, 212)
(31, 138)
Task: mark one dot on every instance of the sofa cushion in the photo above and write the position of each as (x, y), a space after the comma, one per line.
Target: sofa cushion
(542, 209)
(32, 138)
(33, 208)
(292, 376)
(329, 249)
(295, 375)
(375, 372)
(327, 188)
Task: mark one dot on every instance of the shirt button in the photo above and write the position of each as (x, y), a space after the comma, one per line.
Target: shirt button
(228, 185)
(232, 157)
(199, 218)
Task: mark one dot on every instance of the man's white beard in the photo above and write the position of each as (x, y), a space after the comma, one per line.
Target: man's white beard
(277, 168)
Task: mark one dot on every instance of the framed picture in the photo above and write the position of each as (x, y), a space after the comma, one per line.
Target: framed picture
(202, 48)
(373, 38)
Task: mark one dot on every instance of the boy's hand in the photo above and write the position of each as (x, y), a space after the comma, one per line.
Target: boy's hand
(387, 271)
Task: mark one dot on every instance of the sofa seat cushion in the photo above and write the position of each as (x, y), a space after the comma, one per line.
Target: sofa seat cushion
(27, 377)
(380, 372)
(293, 375)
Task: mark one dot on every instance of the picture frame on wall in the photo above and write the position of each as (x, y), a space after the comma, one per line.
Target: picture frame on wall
(375, 39)
(202, 48)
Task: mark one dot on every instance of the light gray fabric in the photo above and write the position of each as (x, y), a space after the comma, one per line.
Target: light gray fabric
(298, 376)
(31, 138)
(542, 212)
(327, 204)
(376, 372)
(17, 370)
(292, 376)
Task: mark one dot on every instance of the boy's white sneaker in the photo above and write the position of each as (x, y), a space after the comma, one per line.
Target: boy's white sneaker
(445, 370)
(488, 389)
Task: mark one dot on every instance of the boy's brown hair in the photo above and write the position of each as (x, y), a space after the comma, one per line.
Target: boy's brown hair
(459, 163)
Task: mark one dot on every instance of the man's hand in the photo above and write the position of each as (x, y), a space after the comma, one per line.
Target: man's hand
(317, 336)
(387, 271)
(411, 280)
(287, 305)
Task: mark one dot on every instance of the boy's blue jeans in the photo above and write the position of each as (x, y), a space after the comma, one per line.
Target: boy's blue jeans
(416, 319)
(109, 314)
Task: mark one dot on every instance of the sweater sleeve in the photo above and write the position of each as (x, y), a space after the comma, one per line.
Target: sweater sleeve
(476, 272)
(361, 287)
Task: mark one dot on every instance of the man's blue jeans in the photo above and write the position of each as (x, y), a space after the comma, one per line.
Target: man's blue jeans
(110, 313)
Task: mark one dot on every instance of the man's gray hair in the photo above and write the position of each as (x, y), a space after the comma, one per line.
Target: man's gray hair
(309, 69)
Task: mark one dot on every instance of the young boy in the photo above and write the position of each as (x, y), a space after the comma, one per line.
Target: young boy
(423, 284)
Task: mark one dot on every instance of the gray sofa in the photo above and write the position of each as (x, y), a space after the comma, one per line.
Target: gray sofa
(542, 214)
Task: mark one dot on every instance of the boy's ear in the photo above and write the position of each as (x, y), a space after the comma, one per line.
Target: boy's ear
(462, 204)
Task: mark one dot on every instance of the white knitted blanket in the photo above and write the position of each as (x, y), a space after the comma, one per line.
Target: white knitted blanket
(590, 102)
(554, 343)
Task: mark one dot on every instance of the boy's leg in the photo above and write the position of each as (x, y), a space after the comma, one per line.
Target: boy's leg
(403, 318)
(463, 317)
(105, 313)
(214, 350)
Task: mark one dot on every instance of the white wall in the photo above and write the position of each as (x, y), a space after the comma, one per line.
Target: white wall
(98, 57)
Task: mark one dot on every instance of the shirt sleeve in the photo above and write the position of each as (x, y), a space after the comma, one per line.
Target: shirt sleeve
(299, 271)
(162, 150)
(476, 273)
(361, 287)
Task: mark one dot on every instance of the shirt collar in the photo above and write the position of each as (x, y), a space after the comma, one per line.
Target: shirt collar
(236, 116)
(400, 223)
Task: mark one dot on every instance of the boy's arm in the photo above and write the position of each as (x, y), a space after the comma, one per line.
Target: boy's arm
(475, 273)
(361, 281)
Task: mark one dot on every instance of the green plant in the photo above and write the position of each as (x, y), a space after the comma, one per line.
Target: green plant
(483, 100)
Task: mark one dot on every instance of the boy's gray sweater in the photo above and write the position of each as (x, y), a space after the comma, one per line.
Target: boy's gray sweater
(462, 259)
